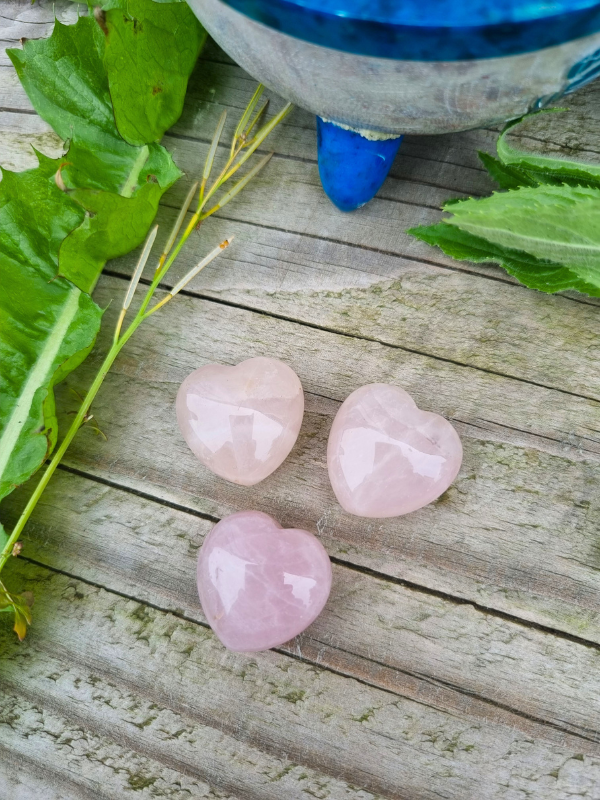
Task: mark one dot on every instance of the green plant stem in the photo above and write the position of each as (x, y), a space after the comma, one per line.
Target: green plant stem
(76, 424)
(22, 614)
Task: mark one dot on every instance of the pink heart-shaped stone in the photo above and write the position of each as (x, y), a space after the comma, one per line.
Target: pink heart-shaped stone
(386, 457)
(260, 584)
(241, 421)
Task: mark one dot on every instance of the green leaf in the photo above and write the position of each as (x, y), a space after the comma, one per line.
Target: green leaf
(65, 79)
(545, 276)
(554, 166)
(4, 537)
(46, 323)
(506, 177)
(151, 49)
(551, 223)
(20, 605)
(113, 226)
(53, 244)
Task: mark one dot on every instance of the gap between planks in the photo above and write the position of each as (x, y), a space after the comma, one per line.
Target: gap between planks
(105, 668)
(136, 534)
(411, 544)
(291, 652)
(349, 334)
(359, 568)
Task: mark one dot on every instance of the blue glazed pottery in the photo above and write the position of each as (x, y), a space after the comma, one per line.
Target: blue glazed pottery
(352, 167)
(372, 70)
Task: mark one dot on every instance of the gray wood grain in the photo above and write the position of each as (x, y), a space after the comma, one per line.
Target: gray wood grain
(297, 256)
(153, 682)
(517, 532)
(435, 650)
(20, 19)
(46, 755)
(458, 655)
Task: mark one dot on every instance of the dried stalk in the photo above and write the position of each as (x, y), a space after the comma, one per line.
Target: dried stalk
(20, 604)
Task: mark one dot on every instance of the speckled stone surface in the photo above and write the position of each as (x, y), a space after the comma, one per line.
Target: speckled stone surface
(260, 584)
(386, 457)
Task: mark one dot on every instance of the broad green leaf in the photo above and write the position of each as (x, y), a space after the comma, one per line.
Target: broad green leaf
(65, 79)
(530, 144)
(552, 223)
(151, 49)
(506, 177)
(93, 169)
(47, 236)
(113, 227)
(544, 276)
(46, 323)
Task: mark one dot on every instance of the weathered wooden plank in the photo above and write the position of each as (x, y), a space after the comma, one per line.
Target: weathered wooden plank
(573, 135)
(21, 19)
(19, 134)
(163, 686)
(444, 654)
(45, 756)
(494, 326)
(517, 532)
(90, 759)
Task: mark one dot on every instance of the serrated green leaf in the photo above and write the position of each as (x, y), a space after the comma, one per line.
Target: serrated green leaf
(45, 321)
(552, 168)
(151, 49)
(552, 223)
(65, 79)
(506, 177)
(545, 276)
(47, 236)
(113, 226)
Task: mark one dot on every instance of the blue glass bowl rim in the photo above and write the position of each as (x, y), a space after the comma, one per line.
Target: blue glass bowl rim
(392, 29)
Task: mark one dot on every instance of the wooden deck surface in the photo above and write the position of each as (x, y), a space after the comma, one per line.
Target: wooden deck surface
(459, 655)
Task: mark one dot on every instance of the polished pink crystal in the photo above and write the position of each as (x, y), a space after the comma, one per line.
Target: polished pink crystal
(386, 457)
(260, 584)
(241, 421)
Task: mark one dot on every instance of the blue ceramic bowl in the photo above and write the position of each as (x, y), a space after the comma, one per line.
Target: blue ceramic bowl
(372, 70)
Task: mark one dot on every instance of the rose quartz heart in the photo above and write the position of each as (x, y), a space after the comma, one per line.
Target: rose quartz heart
(260, 584)
(386, 457)
(241, 421)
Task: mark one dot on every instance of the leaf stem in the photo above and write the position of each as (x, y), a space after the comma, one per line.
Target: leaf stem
(109, 359)
(77, 422)
(167, 257)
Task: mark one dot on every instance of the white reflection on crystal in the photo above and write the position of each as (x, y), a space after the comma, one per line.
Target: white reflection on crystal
(265, 430)
(301, 586)
(357, 456)
(227, 574)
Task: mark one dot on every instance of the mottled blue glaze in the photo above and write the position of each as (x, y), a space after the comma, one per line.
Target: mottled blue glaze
(428, 30)
(450, 13)
(583, 72)
(352, 167)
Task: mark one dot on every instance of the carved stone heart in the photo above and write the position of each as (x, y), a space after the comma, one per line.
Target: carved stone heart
(386, 457)
(241, 421)
(260, 584)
